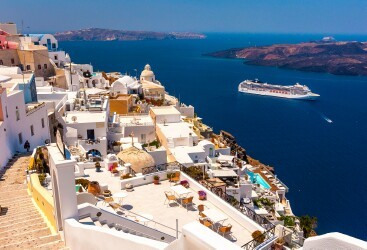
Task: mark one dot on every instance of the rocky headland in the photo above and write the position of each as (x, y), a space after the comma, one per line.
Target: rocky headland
(97, 34)
(339, 58)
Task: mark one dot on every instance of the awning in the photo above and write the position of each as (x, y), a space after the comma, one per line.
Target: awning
(224, 173)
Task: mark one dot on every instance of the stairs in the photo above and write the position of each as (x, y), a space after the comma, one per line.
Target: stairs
(21, 225)
(120, 228)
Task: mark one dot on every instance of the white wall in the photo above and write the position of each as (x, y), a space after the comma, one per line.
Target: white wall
(333, 241)
(159, 155)
(13, 102)
(79, 236)
(143, 180)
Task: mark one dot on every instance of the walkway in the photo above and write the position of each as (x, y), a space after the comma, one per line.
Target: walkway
(21, 225)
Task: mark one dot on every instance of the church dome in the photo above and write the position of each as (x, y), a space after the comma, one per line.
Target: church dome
(138, 158)
(147, 72)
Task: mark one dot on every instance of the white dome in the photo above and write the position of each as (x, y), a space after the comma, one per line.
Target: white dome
(147, 72)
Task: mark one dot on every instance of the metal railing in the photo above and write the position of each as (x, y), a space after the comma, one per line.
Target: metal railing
(261, 240)
(267, 236)
(153, 169)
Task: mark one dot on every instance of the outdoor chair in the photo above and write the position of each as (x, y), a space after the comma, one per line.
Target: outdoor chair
(225, 230)
(108, 200)
(187, 201)
(175, 177)
(169, 197)
(206, 222)
(115, 206)
(201, 208)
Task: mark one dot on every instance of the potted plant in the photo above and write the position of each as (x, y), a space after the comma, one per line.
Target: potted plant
(185, 183)
(279, 243)
(116, 146)
(202, 195)
(258, 236)
(156, 179)
(98, 166)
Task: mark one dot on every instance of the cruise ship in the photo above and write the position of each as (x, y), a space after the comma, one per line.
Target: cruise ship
(296, 91)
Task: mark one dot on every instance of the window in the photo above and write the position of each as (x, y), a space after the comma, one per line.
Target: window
(17, 115)
(20, 138)
(39, 66)
(28, 67)
(54, 45)
(32, 130)
(55, 56)
(12, 61)
(43, 122)
(36, 43)
(1, 62)
(45, 66)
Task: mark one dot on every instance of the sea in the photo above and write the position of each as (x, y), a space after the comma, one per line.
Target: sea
(317, 148)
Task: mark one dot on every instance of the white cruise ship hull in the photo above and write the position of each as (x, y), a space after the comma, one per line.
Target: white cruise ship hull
(309, 96)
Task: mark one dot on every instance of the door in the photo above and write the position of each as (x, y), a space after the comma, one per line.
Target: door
(90, 134)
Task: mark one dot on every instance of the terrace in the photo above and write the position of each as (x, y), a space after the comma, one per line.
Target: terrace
(149, 200)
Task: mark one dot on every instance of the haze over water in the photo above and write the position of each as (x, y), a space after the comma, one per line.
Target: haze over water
(322, 163)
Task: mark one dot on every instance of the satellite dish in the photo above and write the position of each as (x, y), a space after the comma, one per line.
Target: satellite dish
(74, 118)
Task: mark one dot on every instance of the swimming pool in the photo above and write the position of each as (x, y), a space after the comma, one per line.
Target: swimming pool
(256, 178)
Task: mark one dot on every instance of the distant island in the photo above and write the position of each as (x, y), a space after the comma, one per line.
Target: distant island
(97, 34)
(338, 58)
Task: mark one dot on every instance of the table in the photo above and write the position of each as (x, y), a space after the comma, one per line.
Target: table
(180, 190)
(144, 218)
(120, 196)
(214, 215)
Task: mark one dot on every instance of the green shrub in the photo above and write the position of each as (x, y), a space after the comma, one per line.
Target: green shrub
(83, 182)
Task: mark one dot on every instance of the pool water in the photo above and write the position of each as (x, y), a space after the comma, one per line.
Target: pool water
(256, 178)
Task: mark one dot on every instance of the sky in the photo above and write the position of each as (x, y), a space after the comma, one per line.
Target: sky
(240, 16)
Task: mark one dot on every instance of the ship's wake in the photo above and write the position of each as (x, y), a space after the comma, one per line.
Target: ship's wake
(326, 118)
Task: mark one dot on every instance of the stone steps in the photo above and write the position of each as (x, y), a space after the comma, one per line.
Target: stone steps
(24, 236)
(16, 214)
(39, 229)
(16, 198)
(16, 203)
(31, 243)
(55, 245)
(11, 193)
(20, 224)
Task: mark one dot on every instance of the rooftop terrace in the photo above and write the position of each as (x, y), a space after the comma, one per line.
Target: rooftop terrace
(149, 199)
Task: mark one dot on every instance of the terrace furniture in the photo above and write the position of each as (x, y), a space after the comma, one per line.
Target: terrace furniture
(169, 197)
(108, 200)
(201, 208)
(143, 218)
(120, 196)
(206, 222)
(114, 205)
(215, 216)
(187, 201)
(225, 230)
(175, 177)
(180, 191)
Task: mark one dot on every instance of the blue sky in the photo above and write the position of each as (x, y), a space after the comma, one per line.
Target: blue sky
(256, 16)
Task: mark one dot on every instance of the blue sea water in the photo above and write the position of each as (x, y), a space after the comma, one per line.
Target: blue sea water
(322, 163)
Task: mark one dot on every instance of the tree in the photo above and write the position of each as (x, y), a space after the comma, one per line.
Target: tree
(308, 224)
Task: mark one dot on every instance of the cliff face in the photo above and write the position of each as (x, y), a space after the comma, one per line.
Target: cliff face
(96, 34)
(339, 58)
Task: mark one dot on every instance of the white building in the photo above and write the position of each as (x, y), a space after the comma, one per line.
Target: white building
(126, 85)
(59, 57)
(22, 117)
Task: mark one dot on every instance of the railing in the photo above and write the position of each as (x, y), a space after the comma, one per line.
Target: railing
(34, 109)
(268, 235)
(157, 168)
(177, 232)
(106, 217)
(261, 240)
